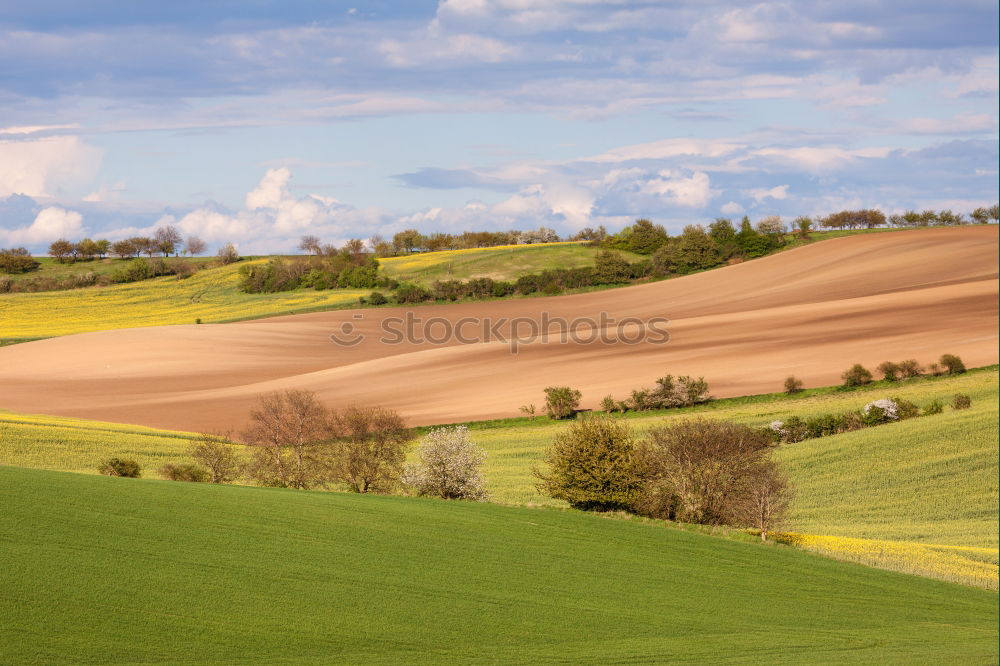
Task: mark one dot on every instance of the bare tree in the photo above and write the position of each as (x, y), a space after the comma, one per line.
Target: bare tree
(195, 246)
(288, 439)
(765, 499)
(311, 245)
(228, 254)
(369, 448)
(218, 455)
(167, 239)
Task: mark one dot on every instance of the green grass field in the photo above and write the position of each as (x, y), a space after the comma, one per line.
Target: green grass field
(50, 268)
(105, 570)
(930, 482)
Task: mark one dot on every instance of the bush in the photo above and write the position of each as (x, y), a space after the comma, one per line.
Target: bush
(410, 293)
(701, 471)
(857, 375)
(17, 263)
(910, 368)
(121, 467)
(377, 298)
(609, 404)
(880, 411)
(228, 254)
(935, 407)
(792, 384)
(961, 401)
(219, 457)
(449, 466)
(184, 472)
(593, 466)
(952, 364)
(905, 409)
(889, 371)
(561, 402)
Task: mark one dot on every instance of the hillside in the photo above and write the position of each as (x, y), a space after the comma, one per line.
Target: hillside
(920, 495)
(218, 574)
(813, 311)
(212, 294)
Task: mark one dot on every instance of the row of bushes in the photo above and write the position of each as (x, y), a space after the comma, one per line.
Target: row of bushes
(17, 260)
(342, 269)
(877, 412)
(295, 442)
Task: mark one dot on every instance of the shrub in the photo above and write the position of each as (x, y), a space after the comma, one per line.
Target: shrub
(699, 471)
(910, 368)
(17, 263)
(448, 466)
(529, 410)
(952, 364)
(219, 457)
(905, 409)
(228, 254)
(369, 449)
(792, 384)
(961, 401)
(880, 411)
(934, 369)
(184, 472)
(121, 467)
(935, 407)
(592, 465)
(410, 293)
(857, 375)
(377, 298)
(609, 404)
(561, 402)
(889, 371)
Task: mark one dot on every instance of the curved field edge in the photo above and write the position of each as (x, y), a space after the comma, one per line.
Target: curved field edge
(930, 481)
(212, 295)
(105, 570)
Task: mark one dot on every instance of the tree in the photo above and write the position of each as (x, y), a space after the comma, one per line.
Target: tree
(195, 246)
(144, 245)
(952, 364)
(771, 226)
(693, 250)
(218, 455)
(792, 384)
(751, 243)
(448, 466)
(611, 268)
(803, 225)
(408, 240)
(369, 448)
(288, 438)
(311, 245)
(561, 402)
(103, 247)
(700, 471)
(228, 254)
(593, 466)
(951, 218)
(87, 249)
(61, 250)
(167, 239)
(857, 375)
(643, 237)
(124, 249)
(890, 371)
(910, 368)
(766, 499)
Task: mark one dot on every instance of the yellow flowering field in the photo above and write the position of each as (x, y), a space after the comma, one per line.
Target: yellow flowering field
(211, 295)
(967, 565)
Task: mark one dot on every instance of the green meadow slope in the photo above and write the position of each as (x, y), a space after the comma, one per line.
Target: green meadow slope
(106, 570)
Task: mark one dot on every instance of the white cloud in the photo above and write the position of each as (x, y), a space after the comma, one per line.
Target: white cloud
(760, 194)
(271, 190)
(46, 167)
(50, 224)
(693, 192)
(732, 208)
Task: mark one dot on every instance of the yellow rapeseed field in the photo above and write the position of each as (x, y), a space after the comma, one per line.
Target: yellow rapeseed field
(957, 564)
(211, 295)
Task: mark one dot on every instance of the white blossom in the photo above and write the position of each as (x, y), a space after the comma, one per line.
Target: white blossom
(448, 467)
(888, 406)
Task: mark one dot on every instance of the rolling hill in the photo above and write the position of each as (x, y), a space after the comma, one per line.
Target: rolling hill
(188, 573)
(811, 311)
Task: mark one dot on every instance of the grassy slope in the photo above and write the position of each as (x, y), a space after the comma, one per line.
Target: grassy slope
(212, 294)
(101, 570)
(931, 481)
(50, 268)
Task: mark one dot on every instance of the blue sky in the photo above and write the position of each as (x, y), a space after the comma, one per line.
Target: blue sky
(257, 122)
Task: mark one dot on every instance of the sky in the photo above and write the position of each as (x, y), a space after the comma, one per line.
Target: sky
(257, 122)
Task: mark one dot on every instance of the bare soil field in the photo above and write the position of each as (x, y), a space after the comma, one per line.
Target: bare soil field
(812, 312)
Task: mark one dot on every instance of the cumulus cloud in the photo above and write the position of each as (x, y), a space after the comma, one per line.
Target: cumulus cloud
(51, 223)
(46, 167)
